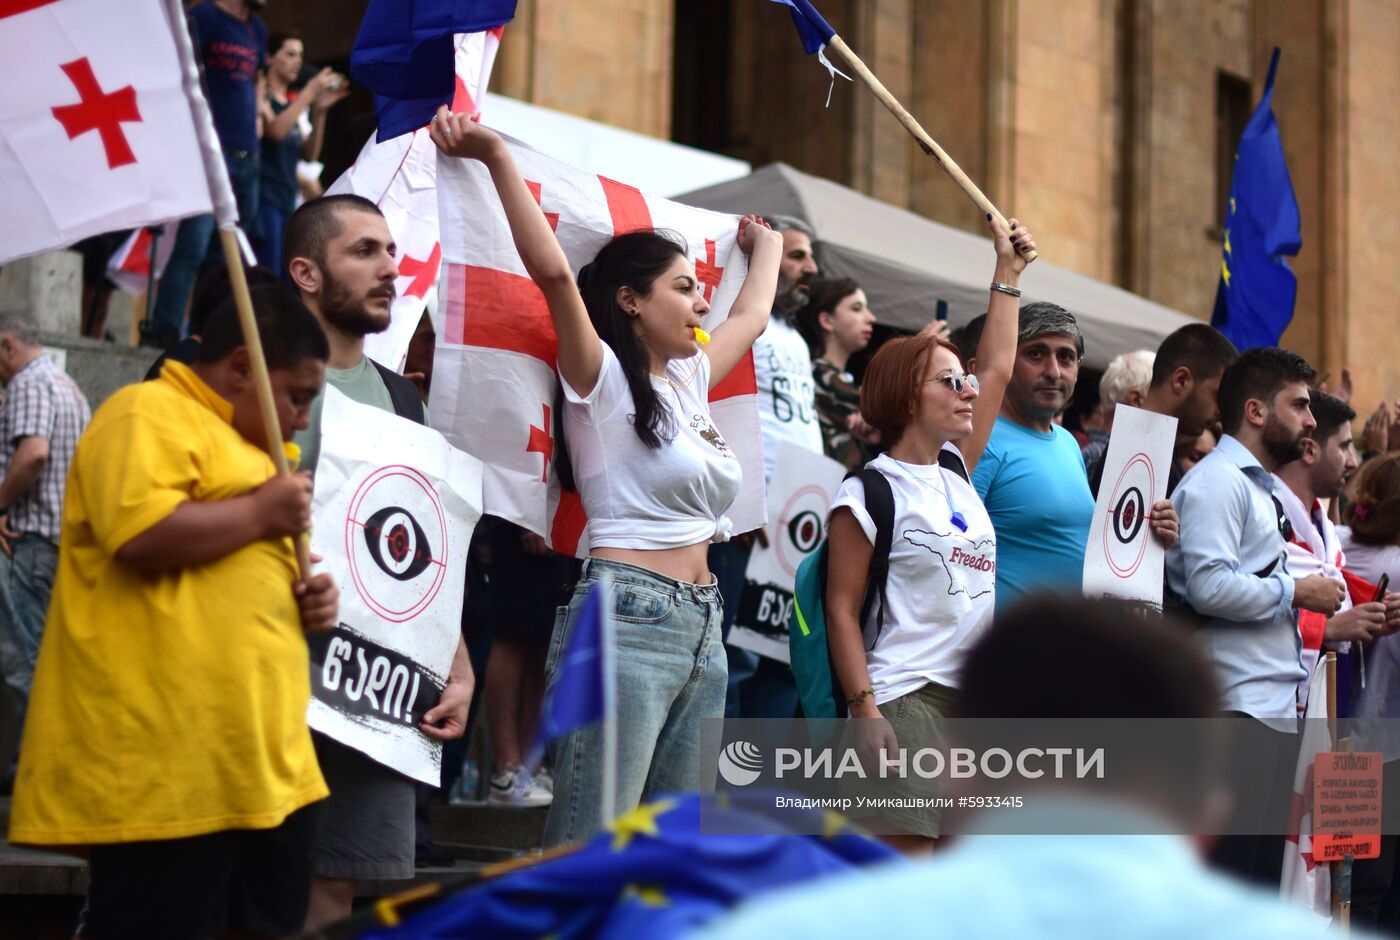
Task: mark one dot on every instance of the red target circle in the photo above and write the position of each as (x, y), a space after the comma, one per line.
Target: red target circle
(396, 486)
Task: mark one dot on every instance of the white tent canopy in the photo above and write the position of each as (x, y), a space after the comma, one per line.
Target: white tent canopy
(907, 264)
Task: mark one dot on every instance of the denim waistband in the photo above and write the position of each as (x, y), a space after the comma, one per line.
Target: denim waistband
(620, 572)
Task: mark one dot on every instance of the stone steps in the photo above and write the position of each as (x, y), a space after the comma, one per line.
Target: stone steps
(477, 834)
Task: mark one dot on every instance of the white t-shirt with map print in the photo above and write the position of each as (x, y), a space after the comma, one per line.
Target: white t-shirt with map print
(942, 581)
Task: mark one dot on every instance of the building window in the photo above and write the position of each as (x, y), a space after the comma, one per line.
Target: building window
(1233, 99)
(700, 79)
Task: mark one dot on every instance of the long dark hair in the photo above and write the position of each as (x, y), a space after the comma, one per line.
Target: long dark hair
(824, 295)
(633, 260)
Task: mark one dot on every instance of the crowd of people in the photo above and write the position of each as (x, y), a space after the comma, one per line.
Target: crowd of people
(153, 615)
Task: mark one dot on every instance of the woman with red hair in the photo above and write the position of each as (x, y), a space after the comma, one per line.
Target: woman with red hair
(900, 665)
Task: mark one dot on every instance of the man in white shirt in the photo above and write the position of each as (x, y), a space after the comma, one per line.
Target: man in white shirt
(787, 411)
(1328, 461)
(782, 360)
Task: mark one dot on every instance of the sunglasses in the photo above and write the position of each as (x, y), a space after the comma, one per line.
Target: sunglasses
(956, 381)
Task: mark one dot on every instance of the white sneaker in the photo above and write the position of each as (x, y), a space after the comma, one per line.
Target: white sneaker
(514, 786)
(544, 779)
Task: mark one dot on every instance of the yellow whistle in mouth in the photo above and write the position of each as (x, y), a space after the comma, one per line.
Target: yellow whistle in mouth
(701, 336)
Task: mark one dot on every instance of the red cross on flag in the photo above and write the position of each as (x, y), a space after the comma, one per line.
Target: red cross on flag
(493, 375)
(400, 176)
(96, 132)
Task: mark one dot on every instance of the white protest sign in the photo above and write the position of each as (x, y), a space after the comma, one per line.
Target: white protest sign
(1122, 559)
(393, 514)
(800, 495)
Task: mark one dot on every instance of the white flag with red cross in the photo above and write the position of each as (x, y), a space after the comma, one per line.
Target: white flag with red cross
(141, 257)
(96, 132)
(400, 176)
(494, 373)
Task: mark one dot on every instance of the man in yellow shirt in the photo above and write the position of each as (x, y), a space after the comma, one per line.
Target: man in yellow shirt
(167, 730)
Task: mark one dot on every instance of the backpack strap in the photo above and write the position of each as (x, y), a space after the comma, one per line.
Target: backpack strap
(402, 393)
(953, 463)
(879, 502)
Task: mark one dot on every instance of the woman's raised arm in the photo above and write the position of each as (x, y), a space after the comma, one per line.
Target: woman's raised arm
(580, 349)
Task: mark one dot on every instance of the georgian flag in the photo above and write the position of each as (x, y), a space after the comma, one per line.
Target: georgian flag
(96, 132)
(494, 372)
(400, 176)
(130, 265)
(1305, 882)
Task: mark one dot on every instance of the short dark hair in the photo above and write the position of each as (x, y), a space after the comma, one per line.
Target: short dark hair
(967, 337)
(289, 332)
(311, 228)
(1033, 321)
(275, 41)
(213, 288)
(1259, 373)
(1058, 658)
(1330, 413)
(1199, 347)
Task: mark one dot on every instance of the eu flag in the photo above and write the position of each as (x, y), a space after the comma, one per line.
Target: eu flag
(580, 693)
(1254, 300)
(658, 872)
(404, 53)
(814, 30)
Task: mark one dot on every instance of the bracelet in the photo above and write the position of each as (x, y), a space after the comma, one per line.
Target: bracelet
(1006, 289)
(859, 696)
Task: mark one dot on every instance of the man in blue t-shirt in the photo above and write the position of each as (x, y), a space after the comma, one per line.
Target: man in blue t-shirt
(1031, 476)
(230, 43)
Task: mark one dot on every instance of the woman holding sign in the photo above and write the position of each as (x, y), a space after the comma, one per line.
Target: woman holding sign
(655, 476)
(901, 665)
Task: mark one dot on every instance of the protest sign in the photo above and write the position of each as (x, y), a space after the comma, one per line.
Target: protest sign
(393, 514)
(1122, 559)
(1346, 805)
(799, 497)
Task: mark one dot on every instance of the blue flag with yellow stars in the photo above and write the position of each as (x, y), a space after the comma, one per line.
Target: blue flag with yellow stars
(657, 872)
(1254, 301)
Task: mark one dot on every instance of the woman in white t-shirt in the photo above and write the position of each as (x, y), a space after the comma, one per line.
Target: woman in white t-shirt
(654, 474)
(942, 569)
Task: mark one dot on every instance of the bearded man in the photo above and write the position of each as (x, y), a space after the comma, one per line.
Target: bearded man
(340, 256)
(1231, 568)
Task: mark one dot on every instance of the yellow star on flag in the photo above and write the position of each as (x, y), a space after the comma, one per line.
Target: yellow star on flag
(1232, 205)
(641, 821)
(832, 824)
(1227, 243)
(646, 895)
(1225, 272)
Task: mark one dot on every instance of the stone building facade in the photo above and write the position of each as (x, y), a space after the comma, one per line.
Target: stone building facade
(1106, 124)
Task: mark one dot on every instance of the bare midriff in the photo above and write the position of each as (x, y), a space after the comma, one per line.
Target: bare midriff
(686, 563)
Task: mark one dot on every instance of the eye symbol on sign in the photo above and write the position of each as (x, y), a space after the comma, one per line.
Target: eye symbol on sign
(805, 530)
(1128, 515)
(397, 543)
(1124, 544)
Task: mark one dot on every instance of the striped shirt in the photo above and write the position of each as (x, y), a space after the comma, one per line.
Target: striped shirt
(42, 401)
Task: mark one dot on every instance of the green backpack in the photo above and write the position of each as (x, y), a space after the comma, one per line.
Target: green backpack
(817, 688)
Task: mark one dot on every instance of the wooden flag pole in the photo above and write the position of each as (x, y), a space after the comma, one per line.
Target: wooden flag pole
(927, 143)
(228, 239)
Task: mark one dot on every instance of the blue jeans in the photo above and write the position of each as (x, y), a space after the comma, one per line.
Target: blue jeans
(191, 245)
(759, 687)
(670, 679)
(268, 243)
(196, 247)
(26, 582)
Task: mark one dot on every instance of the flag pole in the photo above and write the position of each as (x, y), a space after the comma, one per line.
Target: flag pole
(226, 216)
(609, 788)
(921, 136)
